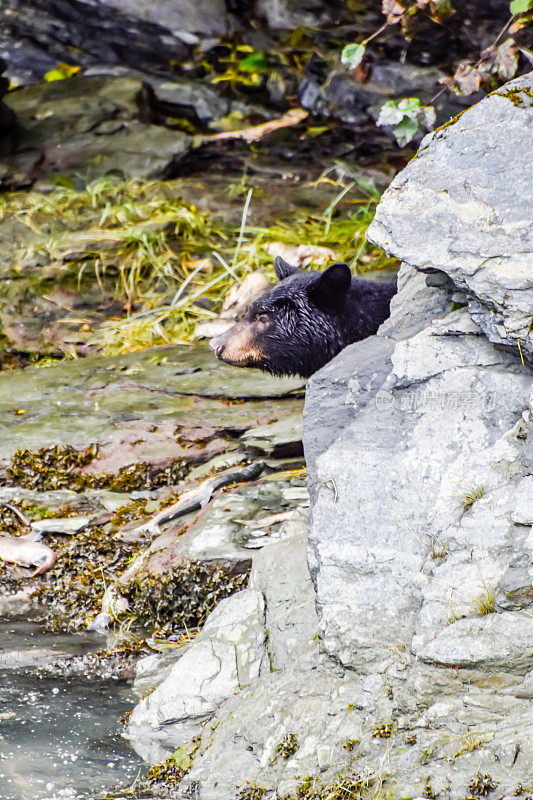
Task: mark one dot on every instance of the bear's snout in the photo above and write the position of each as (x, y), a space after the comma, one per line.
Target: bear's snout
(238, 346)
(216, 346)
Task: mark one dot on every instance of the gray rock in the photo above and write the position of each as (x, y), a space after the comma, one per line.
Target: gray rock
(156, 668)
(417, 303)
(202, 98)
(66, 525)
(523, 509)
(290, 14)
(278, 440)
(463, 206)
(136, 392)
(146, 35)
(221, 532)
(495, 640)
(355, 103)
(280, 572)
(334, 391)
(420, 551)
(528, 450)
(94, 137)
(203, 17)
(442, 389)
(515, 589)
(225, 656)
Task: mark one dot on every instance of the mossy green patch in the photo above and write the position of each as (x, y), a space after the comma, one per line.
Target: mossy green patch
(481, 785)
(520, 97)
(252, 792)
(383, 731)
(350, 786)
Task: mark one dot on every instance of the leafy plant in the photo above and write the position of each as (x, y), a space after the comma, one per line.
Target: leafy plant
(352, 55)
(406, 116)
(288, 745)
(521, 6)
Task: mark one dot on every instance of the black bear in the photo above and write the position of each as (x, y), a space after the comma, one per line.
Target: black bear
(302, 323)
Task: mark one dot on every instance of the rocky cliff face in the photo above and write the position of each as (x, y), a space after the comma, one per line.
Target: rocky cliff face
(402, 659)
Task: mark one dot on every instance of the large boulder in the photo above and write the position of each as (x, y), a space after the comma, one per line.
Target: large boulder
(226, 656)
(441, 426)
(420, 467)
(89, 126)
(193, 17)
(464, 206)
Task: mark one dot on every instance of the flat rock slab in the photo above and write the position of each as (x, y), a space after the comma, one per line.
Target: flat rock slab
(463, 205)
(281, 439)
(220, 531)
(495, 640)
(134, 406)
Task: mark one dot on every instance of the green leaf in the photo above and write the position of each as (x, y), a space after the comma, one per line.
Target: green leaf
(254, 62)
(54, 75)
(409, 105)
(440, 9)
(352, 55)
(520, 6)
(405, 131)
(390, 114)
(61, 72)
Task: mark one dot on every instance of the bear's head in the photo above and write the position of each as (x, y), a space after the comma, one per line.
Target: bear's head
(295, 327)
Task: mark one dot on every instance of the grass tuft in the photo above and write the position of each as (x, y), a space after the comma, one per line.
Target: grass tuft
(471, 495)
(484, 603)
(169, 264)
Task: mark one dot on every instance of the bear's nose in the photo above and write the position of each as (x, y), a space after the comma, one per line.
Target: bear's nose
(216, 346)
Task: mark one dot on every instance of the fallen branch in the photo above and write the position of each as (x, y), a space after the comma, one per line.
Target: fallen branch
(292, 117)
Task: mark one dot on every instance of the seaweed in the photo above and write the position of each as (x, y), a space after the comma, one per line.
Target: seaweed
(58, 467)
(182, 597)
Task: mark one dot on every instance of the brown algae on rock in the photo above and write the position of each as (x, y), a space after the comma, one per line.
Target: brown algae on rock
(182, 597)
(58, 467)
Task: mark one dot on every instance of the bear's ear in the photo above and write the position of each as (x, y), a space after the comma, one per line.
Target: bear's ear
(331, 285)
(283, 269)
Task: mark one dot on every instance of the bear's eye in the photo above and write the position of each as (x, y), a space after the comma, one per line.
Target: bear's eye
(263, 319)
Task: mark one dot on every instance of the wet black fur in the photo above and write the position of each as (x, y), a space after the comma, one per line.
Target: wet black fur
(313, 315)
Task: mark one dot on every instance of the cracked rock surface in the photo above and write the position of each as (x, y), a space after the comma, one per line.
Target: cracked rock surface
(464, 206)
(392, 636)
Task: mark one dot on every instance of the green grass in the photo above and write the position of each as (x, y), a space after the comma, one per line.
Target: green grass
(484, 603)
(170, 264)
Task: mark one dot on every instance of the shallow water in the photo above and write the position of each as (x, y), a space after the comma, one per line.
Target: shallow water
(60, 737)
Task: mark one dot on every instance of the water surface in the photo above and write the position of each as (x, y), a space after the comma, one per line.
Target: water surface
(60, 736)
